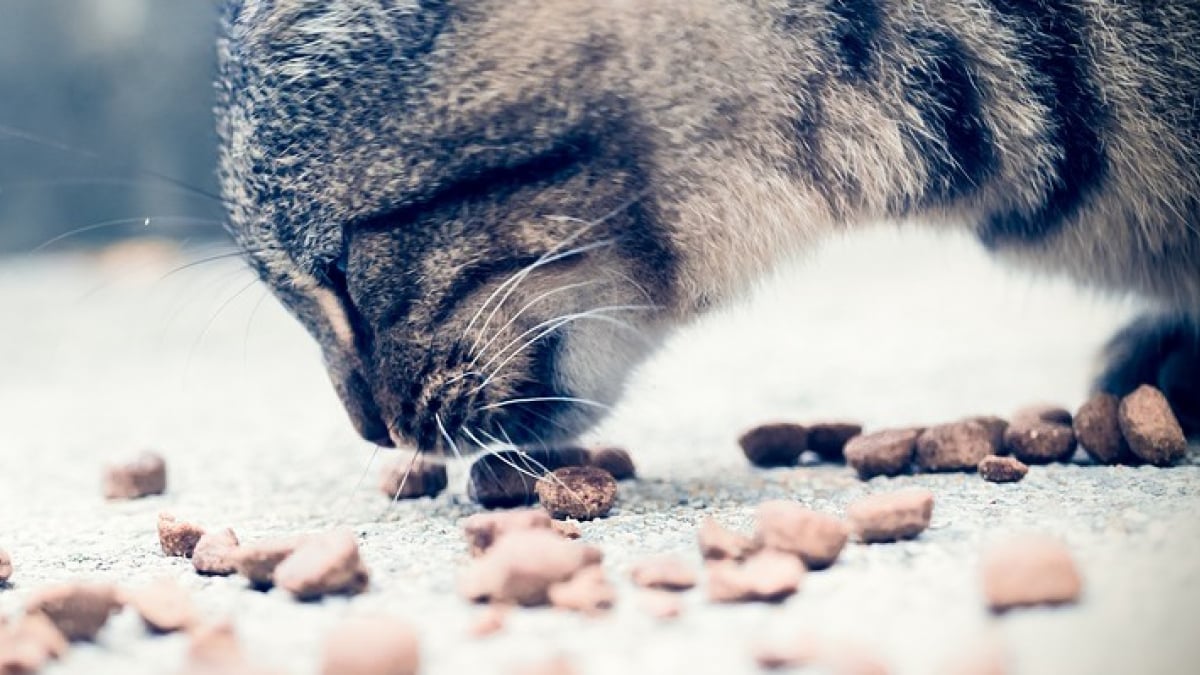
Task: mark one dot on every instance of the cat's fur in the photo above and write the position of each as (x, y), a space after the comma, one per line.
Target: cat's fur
(391, 164)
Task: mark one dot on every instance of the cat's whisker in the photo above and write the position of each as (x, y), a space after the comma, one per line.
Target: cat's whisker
(544, 470)
(489, 452)
(212, 320)
(403, 481)
(481, 350)
(146, 222)
(238, 253)
(535, 399)
(341, 517)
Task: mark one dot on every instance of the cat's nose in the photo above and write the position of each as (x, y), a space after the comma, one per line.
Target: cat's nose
(360, 405)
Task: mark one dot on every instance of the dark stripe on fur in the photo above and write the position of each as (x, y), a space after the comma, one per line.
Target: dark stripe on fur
(956, 143)
(1054, 36)
(858, 23)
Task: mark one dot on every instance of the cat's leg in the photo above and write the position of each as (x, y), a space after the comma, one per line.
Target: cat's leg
(1161, 350)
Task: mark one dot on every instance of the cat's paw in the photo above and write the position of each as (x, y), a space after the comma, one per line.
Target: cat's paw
(1163, 351)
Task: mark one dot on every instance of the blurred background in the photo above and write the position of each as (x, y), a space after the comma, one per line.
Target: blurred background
(112, 90)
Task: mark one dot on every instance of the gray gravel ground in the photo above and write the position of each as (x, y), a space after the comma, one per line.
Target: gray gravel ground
(102, 357)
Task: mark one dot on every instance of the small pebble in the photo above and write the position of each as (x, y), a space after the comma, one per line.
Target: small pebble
(216, 553)
(483, 529)
(767, 576)
(506, 479)
(1098, 429)
(891, 516)
(786, 526)
(1029, 570)
(1151, 428)
(78, 610)
(777, 444)
(587, 591)
(667, 573)
(257, 561)
(720, 543)
(957, 446)
(828, 439)
(579, 492)
(142, 477)
(882, 453)
(520, 567)
(164, 606)
(371, 646)
(567, 529)
(323, 564)
(412, 477)
(1037, 442)
(616, 461)
(1002, 469)
(177, 539)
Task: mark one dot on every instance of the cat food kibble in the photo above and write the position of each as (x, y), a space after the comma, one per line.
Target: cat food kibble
(956, 446)
(1150, 427)
(667, 573)
(996, 426)
(777, 444)
(257, 561)
(1035, 441)
(766, 576)
(1098, 430)
(6, 566)
(720, 543)
(882, 453)
(786, 526)
(616, 461)
(828, 439)
(214, 650)
(1002, 469)
(661, 605)
(521, 566)
(1043, 412)
(488, 622)
(163, 606)
(506, 479)
(29, 643)
(1029, 570)
(144, 476)
(579, 492)
(371, 646)
(587, 591)
(323, 564)
(177, 539)
(78, 610)
(412, 477)
(216, 553)
(483, 529)
(891, 516)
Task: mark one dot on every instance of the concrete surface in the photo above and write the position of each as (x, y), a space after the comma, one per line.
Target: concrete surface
(101, 356)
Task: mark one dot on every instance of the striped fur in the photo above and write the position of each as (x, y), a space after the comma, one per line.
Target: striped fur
(407, 158)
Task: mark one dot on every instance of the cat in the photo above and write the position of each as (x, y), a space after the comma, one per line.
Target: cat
(488, 212)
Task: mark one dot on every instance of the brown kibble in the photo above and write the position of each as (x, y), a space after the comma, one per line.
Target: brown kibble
(882, 453)
(587, 591)
(164, 606)
(817, 538)
(667, 573)
(957, 446)
(521, 566)
(78, 610)
(177, 539)
(323, 564)
(371, 646)
(1002, 469)
(556, 666)
(257, 561)
(996, 426)
(1035, 442)
(1098, 429)
(661, 604)
(828, 439)
(216, 553)
(214, 644)
(777, 444)
(488, 622)
(28, 644)
(483, 529)
(616, 461)
(1150, 427)
(413, 476)
(507, 478)
(720, 543)
(891, 516)
(579, 492)
(567, 529)
(1029, 570)
(767, 576)
(1043, 412)
(144, 476)
(6, 566)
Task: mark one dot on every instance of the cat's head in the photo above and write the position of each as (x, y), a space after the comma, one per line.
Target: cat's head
(458, 215)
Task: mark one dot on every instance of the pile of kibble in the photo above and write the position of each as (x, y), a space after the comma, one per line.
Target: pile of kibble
(572, 485)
